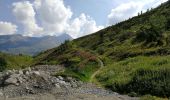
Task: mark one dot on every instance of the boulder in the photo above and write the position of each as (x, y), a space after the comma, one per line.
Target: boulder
(12, 80)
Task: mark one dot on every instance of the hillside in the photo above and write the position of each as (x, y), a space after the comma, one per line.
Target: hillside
(18, 44)
(135, 54)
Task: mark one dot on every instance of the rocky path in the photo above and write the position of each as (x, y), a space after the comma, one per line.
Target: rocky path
(38, 83)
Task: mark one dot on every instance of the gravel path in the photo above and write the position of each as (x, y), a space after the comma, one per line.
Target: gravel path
(38, 84)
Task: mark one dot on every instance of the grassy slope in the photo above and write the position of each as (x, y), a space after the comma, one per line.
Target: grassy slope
(135, 54)
(79, 63)
(8, 61)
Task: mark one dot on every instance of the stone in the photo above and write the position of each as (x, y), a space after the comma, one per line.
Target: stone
(36, 73)
(12, 79)
(62, 83)
(29, 69)
(1, 94)
(60, 78)
(20, 72)
(27, 72)
(57, 86)
(68, 79)
(74, 85)
(9, 72)
(20, 80)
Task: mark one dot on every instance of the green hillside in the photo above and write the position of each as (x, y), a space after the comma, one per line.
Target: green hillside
(135, 55)
(9, 61)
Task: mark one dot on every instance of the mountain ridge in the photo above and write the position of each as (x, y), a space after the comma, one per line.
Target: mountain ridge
(18, 44)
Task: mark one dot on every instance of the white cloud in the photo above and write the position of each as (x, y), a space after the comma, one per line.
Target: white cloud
(83, 25)
(7, 28)
(130, 8)
(25, 14)
(54, 15)
(124, 11)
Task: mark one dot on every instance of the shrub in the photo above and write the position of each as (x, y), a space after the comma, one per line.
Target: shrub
(151, 82)
(3, 64)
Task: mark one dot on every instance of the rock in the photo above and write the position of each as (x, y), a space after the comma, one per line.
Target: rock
(60, 78)
(1, 94)
(27, 73)
(62, 83)
(74, 85)
(9, 72)
(58, 86)
(13, 79)
(20, 80)
(29, 69)
(36, 73)
(20, 72)
(68, 79)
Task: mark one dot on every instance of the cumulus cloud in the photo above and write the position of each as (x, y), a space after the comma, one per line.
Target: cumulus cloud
(124, 11)
(83, 25)
(54, 15)
(130, 8)
(25, 14)
(7, 28)
(54, 19)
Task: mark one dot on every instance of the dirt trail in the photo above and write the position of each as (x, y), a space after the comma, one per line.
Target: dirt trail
(101, 64)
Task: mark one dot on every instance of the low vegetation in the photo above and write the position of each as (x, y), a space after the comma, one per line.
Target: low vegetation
(8, 61)
(79, 63)
(140, 75)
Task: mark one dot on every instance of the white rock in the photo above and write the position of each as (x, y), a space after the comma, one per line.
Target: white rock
(29, 69)
(60, 78)
(12, 79)
(36, 73)
(27, 73)
(20, 72)
(1, 94)
(62, 83)
(57, 85)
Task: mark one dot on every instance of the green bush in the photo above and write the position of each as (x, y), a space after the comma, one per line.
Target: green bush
(3, 64)
(151, 82)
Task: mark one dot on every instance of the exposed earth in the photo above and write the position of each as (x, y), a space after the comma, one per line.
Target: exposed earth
(39, 83)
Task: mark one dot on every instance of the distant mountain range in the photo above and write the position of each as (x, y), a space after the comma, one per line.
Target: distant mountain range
(18, 44)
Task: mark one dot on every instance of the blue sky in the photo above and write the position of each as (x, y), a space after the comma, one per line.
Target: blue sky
(74, 17)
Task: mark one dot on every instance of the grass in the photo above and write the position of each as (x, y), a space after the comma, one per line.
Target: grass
(141, 74)
(149, 97)
(83, 74)
(9, 61)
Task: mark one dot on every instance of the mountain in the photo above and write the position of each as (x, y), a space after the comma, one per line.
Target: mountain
(18, 44)
(131, 57)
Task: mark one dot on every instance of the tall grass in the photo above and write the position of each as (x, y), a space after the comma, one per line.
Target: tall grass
(142, 75)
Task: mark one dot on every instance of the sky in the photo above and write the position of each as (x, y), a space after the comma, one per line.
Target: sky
(74, 17)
